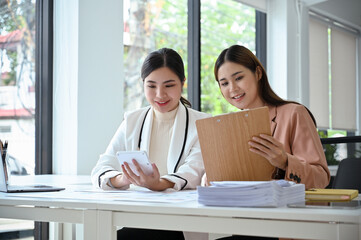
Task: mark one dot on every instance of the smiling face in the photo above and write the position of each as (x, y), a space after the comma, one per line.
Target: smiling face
(239, 85)
(163, 89)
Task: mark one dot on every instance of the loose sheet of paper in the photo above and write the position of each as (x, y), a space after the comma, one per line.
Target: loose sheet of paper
(134, 194)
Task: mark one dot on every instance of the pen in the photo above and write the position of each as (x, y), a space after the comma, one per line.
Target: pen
(1, 149)
(4, 148)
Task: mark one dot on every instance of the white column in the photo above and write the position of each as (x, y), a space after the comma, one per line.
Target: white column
(287, 37)
(100, 79)
(88, 81)
(277, 46)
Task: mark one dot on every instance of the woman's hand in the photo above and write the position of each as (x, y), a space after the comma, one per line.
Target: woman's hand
(152, 181)
(204, 181)
(268, 147)
(119, 181)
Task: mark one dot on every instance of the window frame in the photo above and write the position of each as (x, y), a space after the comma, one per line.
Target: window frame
(43, 98)
(44, 87)
(261, 37)
(194, 49)
(194, 53)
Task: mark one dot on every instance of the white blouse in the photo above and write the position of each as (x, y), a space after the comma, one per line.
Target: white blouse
(162, 129)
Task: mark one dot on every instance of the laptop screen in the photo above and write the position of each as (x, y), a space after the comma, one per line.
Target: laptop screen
(4, 178)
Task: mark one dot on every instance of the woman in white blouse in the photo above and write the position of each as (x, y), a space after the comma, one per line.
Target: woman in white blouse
(165, 130)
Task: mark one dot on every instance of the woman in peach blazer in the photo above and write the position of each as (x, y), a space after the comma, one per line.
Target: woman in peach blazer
(292, 125)
(294, 148)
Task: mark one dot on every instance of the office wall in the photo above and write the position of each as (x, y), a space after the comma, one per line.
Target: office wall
(88, 80)
(287, 44)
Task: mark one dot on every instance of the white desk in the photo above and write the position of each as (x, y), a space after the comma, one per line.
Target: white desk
(100, 217)
(51, 210)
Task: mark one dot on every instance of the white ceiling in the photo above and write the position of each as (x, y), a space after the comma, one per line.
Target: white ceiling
(348, 10)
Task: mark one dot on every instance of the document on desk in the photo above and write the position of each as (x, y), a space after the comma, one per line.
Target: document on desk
(137, 195)
(251, 193)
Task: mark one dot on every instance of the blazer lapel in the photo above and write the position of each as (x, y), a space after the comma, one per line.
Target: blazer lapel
(178, 135)
(147, 130)
(272, 115)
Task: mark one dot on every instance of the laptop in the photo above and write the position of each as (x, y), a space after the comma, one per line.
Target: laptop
(224, 145)
(5, 187)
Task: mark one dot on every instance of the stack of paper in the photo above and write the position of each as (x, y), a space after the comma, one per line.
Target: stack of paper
(251, 193)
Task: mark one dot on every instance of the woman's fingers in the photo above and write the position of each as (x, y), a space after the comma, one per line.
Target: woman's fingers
(263, 147)
(138, 168)
(133, 178)
(271, 140)
(142, 179)
(269, 148)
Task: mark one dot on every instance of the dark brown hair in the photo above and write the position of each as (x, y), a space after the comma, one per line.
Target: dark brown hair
(243, 56)
(165, 57)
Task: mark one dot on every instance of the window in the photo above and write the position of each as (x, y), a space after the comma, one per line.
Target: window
(148, 26)
(25, 92)
(17, 95)
(333, 88)
(151, 24)
(333, 75)
(223, 23)
(17, 83)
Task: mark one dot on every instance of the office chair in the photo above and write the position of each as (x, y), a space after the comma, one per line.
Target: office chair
(348, 174)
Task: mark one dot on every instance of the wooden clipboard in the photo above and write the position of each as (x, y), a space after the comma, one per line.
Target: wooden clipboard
(224, 146)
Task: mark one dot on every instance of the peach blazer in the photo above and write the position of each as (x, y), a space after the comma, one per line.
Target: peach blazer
(292, 125)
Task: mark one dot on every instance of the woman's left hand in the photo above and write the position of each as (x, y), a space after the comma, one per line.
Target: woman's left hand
(204, 181)
(152, 181)
(271, 149)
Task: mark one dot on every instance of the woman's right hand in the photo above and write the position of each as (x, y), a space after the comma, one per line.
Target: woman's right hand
(204, 181)
(119, 181)
(152, 181)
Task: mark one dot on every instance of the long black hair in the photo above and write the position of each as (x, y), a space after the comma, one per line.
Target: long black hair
(243, 56)
(165, 57)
